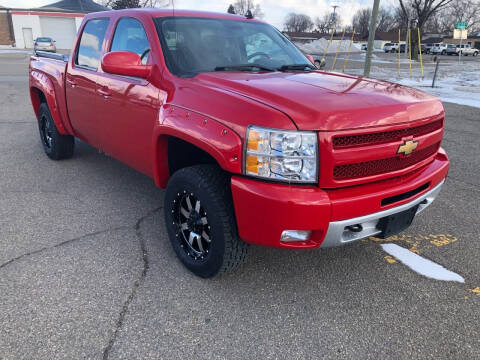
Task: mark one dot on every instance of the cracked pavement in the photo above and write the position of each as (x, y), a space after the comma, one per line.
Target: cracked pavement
(87, 272)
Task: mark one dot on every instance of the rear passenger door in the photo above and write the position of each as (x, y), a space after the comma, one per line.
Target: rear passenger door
(129, 106)
(81, 81)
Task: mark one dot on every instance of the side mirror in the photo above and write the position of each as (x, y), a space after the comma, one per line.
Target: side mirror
(310, 57)
(125, 63)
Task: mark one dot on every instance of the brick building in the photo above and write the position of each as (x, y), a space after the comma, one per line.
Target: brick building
(6, 28)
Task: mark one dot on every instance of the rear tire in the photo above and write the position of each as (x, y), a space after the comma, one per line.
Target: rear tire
(200, 221)
(55, 145)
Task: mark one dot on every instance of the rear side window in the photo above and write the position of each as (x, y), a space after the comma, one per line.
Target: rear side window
(88, 54)
(130, 36)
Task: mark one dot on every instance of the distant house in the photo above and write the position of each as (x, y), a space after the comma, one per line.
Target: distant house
(429, 39)
(59, 21)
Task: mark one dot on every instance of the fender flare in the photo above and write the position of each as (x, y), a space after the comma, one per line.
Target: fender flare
(211, 136)
(40, 82)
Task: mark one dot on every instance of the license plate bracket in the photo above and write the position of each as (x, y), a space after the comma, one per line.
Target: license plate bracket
(396, 223)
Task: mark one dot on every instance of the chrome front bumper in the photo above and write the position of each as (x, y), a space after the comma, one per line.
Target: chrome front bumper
(337, 233)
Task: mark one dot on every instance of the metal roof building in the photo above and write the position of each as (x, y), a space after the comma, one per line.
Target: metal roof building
(59, 21)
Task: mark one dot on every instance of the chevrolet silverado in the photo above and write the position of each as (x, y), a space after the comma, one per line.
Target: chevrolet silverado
(253, 144)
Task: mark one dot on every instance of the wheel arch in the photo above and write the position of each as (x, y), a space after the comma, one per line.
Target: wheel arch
(208, 140)
(43, 91)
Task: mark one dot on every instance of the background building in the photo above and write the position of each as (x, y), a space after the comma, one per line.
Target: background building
(59, 20)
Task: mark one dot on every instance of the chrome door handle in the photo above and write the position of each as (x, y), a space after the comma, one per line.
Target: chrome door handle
(106, 94)
(71, 83)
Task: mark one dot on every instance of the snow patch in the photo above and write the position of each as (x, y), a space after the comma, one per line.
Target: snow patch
(421, 265)
(319, 46)
(456, 83)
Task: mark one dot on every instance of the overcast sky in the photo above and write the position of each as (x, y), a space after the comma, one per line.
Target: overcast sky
(275, 10)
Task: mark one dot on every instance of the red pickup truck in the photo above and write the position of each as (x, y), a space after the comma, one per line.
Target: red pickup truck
(253, 144)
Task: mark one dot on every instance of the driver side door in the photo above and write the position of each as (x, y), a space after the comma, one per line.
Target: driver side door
(129, 106)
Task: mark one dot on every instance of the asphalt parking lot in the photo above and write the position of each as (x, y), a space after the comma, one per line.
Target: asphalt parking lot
(87, 272)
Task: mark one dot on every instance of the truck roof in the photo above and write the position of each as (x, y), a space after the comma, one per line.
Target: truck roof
(170, 12)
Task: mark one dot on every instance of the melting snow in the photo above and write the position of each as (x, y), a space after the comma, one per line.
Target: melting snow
(421, 265)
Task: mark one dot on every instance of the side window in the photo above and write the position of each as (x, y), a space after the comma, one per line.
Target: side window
(90, 48)
(130, 36)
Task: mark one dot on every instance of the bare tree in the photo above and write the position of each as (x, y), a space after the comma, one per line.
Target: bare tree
(242, 6)
(385, 20)
(298, 22)
(445, 20)
(125, 4)
(361, 21)
(417, 13)
(335, 21)
(322, 24)
(128, 4)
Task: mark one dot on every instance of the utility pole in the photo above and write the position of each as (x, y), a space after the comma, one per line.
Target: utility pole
(371, 37)
(334, 15)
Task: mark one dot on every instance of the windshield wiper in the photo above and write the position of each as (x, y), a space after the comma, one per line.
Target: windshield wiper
(243, 67)
(302, 67)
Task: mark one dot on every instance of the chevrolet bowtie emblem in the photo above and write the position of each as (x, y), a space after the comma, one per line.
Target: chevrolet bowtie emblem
(407, 147)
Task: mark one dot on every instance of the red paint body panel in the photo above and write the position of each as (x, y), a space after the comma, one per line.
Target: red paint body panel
(132, 118)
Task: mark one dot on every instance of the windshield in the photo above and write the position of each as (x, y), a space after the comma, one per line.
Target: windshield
(195, 45)
(44, 39)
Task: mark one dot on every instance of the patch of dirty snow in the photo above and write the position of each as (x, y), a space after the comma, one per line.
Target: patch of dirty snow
(319, 46)
(455, 83)
(421, 265)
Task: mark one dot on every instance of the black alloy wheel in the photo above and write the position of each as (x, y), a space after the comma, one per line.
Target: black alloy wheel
(200, 220)
(55, 145)
(192, 227)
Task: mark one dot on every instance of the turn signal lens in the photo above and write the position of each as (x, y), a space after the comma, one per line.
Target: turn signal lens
(252, 164)
(253, 141)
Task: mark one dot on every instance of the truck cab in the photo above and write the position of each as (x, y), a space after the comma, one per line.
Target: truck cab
(252, 142)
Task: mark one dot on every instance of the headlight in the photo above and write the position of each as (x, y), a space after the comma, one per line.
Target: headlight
(290, 156)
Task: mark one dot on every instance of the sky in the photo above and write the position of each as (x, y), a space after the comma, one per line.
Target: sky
(275, 10)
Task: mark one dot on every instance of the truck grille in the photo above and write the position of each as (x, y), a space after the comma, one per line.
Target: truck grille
(384, 137)
(375, 167)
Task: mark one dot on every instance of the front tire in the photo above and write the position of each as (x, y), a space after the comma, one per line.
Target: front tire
(200, 221)
(55, 145)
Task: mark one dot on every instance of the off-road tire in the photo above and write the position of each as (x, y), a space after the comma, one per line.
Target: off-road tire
(55, 145)
(211, 187)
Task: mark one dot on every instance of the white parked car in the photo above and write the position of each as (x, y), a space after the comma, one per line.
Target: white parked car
(390, 47)
(439, 48)
(466, 49)
(45, 44)
(364, 47)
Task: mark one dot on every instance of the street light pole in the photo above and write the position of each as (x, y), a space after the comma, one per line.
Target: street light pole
(371, 37)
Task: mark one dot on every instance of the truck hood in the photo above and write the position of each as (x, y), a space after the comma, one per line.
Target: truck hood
(329, 101)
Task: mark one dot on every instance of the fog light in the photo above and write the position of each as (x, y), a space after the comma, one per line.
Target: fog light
(295, 235)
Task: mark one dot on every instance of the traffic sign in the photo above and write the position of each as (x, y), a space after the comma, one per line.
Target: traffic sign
(461, 25)
(460, 34)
